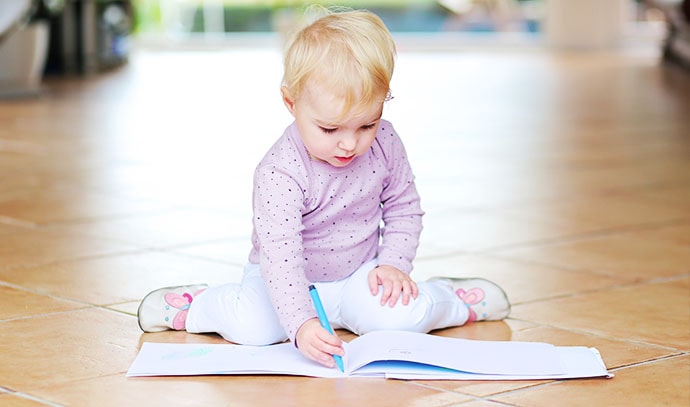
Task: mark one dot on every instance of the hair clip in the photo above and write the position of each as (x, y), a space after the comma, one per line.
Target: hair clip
(389, 96)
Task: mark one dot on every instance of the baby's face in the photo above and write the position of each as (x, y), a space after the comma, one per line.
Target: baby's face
(326, 135)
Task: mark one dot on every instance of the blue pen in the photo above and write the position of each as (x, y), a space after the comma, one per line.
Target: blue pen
(323, 319)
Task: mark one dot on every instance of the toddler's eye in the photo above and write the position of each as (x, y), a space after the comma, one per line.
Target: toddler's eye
(368, 126)
(327, 130)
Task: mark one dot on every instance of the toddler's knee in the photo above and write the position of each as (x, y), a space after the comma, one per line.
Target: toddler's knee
(256, 334)
(255, 325)
(246, 338)
(369, 315)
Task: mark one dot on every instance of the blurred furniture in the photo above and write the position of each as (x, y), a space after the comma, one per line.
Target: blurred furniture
(677, 44)
(585, 24)
(23, 46)
(90, 36)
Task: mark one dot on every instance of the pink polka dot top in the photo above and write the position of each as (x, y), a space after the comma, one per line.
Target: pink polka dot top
(315, 222)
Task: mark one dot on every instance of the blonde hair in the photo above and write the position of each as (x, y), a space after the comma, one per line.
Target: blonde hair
(351, 52)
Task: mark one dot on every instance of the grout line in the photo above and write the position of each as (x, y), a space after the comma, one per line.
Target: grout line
(490, 401)
(30, 397)
(488, 398)
(474, 399)
(107, 308)
(651, 361)
(38, 399)
(84, 305)
(442, 390)
(7, 220)
(536, 385)
(47, 314)
(668, 279)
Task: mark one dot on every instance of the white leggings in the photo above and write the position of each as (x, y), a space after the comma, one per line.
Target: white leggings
(242, 313)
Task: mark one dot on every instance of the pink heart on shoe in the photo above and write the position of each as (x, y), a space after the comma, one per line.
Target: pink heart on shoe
(471, 297)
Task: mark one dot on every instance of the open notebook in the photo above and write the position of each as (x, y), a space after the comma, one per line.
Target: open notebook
(390, 354)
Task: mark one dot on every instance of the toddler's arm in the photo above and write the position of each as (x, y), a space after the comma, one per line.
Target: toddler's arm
(401, 210)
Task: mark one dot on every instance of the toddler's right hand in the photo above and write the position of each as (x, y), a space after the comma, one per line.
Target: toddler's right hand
(318, 344)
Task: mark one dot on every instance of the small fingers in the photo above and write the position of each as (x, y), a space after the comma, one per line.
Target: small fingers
(395, 293)
(394, 285)
(387, 289)
(406, 292)
(373, 279)
(415, 289)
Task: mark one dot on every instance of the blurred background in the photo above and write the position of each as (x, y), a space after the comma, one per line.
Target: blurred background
(70, 37)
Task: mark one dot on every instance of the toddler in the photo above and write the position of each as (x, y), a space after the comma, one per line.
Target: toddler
(335, 205)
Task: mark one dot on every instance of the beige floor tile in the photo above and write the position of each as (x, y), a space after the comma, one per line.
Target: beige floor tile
(235, 251)
(453, 230)
(640, 254)
(168, 228)
(656, 314)
(485, 330)
(60, 204)
(521, 282)
(676, 196)
(660, 383)
(116, 279)
(254, 391)
(7, 226)
(22, 247)
(598, 213)
(17, 303)
(24, 176)
(445, 194)
(619, 169)
(204, 183)
(178, 337)
(482, 389)
(541, 178)
(20, 400)
(59, 348)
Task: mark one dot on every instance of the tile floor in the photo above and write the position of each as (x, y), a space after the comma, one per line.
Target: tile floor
(563, 177)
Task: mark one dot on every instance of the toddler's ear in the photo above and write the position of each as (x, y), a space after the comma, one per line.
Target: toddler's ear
(287, 99)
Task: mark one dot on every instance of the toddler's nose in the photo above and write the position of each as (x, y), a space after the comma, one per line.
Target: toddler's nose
(347, 142)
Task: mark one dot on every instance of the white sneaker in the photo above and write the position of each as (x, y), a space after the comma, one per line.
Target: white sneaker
(166, 308)
(485, 300)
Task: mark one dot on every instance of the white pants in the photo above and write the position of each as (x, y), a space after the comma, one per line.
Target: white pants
(242, 313)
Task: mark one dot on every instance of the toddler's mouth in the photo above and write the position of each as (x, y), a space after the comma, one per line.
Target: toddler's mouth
(344, 160)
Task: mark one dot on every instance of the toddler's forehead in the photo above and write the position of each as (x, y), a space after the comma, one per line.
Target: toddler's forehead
(331, 86)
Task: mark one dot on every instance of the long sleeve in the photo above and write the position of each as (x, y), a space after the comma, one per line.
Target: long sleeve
(278, 202)
(402, 213)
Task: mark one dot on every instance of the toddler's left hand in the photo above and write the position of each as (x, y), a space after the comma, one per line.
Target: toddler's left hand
(394, 283)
